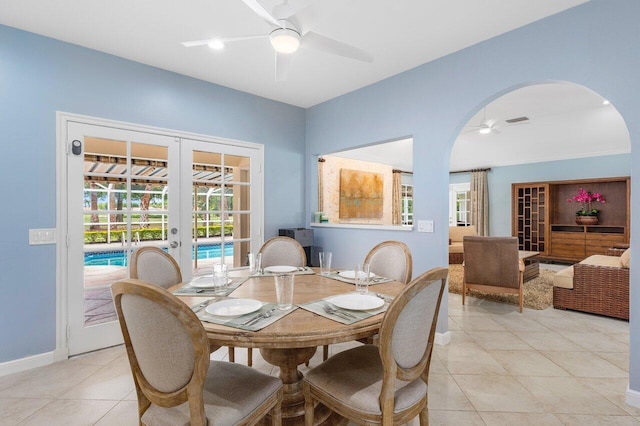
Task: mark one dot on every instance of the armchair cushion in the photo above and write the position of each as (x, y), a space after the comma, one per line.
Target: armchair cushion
(625, 258)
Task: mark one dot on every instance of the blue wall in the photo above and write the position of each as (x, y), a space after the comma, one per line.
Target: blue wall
(501, 178)
(39, 76)
(594, 45)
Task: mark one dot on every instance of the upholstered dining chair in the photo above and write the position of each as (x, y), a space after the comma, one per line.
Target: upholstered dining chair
(492, 264)
(384, 384)
(176, 383)
(154, 265)
(391, 259)
(278, 251)
(282, 251)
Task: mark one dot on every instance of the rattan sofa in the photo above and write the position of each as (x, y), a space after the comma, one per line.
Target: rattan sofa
(598, 285)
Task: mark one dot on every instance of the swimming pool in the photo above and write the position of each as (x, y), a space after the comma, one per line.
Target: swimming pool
(119, 258)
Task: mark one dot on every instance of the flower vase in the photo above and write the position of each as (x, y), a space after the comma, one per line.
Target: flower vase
(587, 220)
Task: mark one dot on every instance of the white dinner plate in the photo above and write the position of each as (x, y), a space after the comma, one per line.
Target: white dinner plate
(205, 281)
(351, 275)
(357, 302)
(233, 307)
(280, 269)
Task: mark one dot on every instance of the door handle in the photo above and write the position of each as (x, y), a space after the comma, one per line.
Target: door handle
(173, 244)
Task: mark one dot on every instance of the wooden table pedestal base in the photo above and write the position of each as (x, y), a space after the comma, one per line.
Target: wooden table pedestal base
(288, 361)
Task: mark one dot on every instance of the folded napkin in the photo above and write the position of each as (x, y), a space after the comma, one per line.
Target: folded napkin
(372, 281)
(236, 322)
(318, 307)
(189, 290)
(300, 271)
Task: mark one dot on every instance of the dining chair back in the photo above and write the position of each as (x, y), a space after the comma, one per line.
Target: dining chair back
(385, 384)
(492, 264)
(282, 251)
(154, 265)
(175, 381)
(391, 259)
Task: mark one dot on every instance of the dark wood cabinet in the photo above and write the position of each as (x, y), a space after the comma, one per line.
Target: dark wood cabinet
(544, 220)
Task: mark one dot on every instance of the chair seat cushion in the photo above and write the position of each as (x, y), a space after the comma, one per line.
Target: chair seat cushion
(354, 378)
(564, 278)
(231, 393)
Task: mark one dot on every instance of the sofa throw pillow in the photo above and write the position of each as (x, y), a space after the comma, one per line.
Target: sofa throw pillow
(625, 258)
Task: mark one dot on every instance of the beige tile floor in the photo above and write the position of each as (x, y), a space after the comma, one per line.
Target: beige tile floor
(501, 368)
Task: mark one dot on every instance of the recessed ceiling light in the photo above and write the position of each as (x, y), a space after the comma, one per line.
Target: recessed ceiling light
(216, 44)
(605, 102)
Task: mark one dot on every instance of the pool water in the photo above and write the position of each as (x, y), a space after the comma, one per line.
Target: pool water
(119, 258)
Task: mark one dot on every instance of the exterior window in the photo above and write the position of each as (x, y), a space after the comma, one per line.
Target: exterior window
(407, 204)
(459, 205)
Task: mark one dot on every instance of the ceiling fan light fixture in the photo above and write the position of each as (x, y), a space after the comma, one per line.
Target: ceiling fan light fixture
(216, 44)
(285, 40)
(485, 130)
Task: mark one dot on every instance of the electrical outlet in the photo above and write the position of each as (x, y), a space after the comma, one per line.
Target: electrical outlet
(42, 236)
(425, 226)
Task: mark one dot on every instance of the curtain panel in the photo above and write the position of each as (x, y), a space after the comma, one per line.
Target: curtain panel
(480, 201)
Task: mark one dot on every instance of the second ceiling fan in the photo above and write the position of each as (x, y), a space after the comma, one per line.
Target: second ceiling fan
(287, 35)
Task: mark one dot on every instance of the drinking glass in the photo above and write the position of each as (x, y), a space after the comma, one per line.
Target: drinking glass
(220, 278)
(325, 262)
(284, 291)
(255, 262)
(362, 277)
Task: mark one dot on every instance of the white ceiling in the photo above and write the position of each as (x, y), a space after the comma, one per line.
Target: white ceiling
(566, 121)
(400, 34)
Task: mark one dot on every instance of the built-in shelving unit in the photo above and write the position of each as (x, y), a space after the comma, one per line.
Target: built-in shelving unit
(544, 221)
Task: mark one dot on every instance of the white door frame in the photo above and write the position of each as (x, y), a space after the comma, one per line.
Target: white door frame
(62, 148)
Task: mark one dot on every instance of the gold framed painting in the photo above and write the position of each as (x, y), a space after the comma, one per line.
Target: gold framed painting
(361, 194)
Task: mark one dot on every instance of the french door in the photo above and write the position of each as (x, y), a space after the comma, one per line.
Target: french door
(199, 199)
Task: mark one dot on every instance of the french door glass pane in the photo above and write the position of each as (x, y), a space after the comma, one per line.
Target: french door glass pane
(220, 215)
(125, 206)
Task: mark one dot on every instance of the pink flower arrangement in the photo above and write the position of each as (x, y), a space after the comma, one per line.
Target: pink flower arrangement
(587, 199)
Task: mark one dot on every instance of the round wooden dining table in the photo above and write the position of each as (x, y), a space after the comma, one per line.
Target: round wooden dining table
(293, 339)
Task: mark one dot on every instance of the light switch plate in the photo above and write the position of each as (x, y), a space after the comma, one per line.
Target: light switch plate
(42, 236)
(425, 226)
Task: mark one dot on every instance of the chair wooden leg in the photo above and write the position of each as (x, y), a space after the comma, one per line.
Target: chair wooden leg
(464, 290)
(232, 354)
(309, 409)
(521, 296)
(424, 417)
(249, 357)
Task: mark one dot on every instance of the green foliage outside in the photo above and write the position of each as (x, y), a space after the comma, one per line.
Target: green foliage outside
(150, 234)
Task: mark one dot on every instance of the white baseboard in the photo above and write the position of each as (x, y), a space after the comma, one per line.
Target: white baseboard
(633, 397)
(442, 338)
(27, 363)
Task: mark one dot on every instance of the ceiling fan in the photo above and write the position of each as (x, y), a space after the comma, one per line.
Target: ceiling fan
(485, 127)
(287, 35)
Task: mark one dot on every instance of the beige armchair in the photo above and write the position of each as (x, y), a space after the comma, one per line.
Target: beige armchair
(492, 264)
(282, 251)
(456, 235)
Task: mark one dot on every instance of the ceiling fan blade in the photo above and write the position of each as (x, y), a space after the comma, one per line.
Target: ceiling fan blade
(496, 131)
(319, 42)
(283, 62)
(224, 40)
(259, 10)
